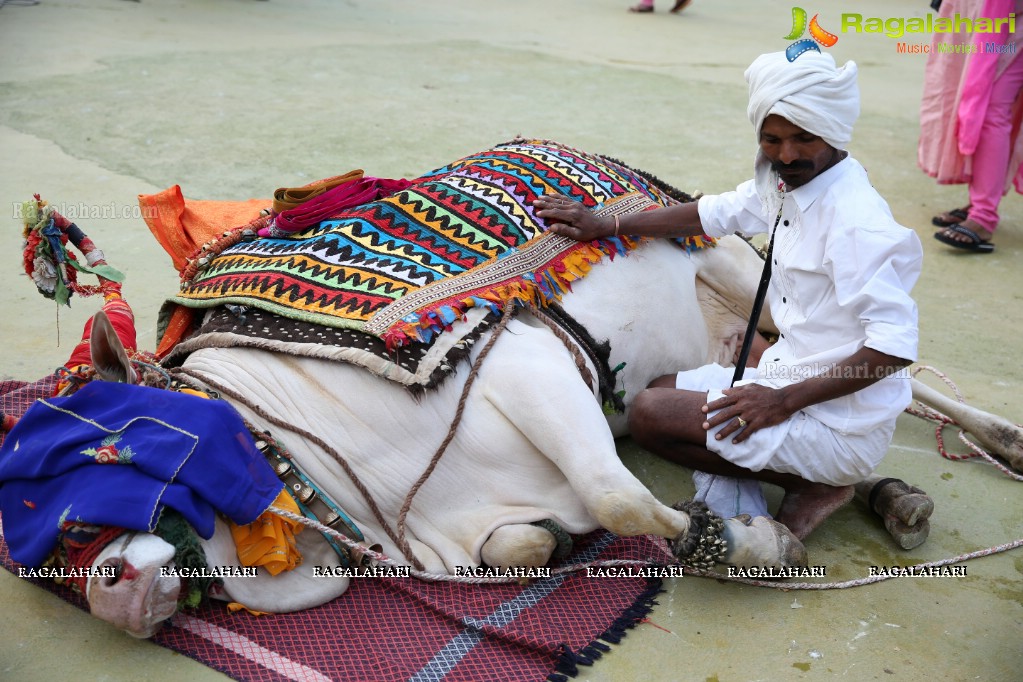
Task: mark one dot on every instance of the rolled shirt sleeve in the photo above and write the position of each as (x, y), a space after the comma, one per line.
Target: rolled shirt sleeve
(737, 211)
(873, 271)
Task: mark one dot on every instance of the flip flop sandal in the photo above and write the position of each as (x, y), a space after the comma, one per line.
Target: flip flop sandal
(977, 245)
(641, 9)
(681, 5)
(959, 214)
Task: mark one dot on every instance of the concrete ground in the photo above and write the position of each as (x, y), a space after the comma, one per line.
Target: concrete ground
(101, 100)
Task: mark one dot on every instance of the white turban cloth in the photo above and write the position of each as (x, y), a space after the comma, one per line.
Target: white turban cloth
(811, 92)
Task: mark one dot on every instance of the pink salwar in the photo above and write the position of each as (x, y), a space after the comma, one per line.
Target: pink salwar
(971, 111)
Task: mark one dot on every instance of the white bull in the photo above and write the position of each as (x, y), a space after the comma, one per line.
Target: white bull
(533, 442)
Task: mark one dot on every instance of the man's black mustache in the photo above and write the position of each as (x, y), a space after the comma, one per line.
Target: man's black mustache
(779, 167)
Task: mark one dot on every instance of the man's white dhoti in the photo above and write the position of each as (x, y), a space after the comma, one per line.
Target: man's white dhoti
(801, 445)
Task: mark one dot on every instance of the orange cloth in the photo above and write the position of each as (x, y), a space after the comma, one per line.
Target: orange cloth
(183, 227)
(269, 541)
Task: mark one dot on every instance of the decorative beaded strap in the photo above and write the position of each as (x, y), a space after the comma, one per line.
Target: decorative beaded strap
(702, 545)
(307, 495)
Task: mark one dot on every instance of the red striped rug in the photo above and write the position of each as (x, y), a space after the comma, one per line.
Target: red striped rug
(386, 629)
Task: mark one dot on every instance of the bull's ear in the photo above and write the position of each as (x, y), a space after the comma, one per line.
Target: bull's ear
(108, 354)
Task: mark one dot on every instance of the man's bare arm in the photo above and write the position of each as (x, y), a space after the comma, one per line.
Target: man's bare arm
(571, 219)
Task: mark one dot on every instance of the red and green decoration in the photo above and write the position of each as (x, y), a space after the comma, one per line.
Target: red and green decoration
(52, 267)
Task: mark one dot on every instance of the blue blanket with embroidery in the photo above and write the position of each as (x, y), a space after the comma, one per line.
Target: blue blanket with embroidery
(116, 455)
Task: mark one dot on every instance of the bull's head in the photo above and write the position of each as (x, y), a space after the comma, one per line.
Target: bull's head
(130, 586)
(132, 589)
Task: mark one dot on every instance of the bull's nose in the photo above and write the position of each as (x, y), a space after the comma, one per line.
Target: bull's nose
(122, 571)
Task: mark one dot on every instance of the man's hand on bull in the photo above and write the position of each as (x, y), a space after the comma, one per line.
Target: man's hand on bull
(570, 218)
(745, 409)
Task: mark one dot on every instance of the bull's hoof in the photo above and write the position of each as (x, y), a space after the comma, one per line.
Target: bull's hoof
(763, 543)
(904, 508)
(518, 544)
(908, 537)
(892, 497)
(701, 545)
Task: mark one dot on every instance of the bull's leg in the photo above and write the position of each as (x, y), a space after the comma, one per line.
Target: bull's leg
(903, 508)
(999, 436)
(761, 542)
(537, 388)
(518, 544)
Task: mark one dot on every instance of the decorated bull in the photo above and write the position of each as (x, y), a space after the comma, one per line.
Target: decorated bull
(395, 362)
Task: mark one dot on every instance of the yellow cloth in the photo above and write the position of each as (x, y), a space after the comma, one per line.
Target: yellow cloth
(235, 607)
(269, 541)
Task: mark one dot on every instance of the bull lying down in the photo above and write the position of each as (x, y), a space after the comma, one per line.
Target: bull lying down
(481, 434)
(130, 480)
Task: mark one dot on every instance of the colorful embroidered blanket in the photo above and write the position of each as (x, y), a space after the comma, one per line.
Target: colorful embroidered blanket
(392, 629)
(406, 266)
(118, 454)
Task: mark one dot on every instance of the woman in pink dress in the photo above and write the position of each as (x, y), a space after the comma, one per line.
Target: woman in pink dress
(970, 120)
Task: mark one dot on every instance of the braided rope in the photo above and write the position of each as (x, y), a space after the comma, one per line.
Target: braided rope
(566, 340)
(509, 308)
(384, 560)
(930, 414)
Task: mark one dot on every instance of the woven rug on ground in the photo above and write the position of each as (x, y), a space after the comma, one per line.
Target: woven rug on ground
(385, 629)
(464, 236)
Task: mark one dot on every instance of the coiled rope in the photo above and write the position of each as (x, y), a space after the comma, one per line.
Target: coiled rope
(930, 414)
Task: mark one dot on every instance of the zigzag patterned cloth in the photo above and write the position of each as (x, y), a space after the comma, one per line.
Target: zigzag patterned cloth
(405, 267)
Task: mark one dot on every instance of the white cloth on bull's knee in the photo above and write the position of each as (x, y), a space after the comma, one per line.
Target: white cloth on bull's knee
(801, 445)
(728, 497)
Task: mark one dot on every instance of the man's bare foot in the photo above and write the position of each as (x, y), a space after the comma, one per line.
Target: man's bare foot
(803, 510)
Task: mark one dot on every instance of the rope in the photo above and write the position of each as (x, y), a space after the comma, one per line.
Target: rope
(568, 341)
(288, 426)
(930, 414)
(384, 560)
(859, 581)
(509, 308)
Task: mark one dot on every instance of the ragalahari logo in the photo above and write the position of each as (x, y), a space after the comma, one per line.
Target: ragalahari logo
(817, 35)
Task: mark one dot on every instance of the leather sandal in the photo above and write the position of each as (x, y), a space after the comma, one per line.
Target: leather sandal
(960, 214)
(976, 244)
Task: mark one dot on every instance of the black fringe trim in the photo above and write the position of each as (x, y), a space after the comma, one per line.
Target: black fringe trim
(673, 192)
(569, 661)
(598, 352)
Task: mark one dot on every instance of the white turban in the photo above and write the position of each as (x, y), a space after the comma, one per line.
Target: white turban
(810, 92)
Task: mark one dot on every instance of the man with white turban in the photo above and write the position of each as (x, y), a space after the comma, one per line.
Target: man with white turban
(815, 411)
